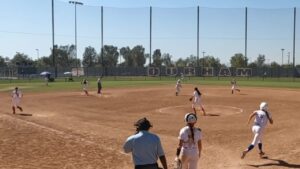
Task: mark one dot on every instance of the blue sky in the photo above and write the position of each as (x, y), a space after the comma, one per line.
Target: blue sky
(26, 26)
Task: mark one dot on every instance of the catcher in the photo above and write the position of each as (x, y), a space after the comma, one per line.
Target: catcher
(189, 149)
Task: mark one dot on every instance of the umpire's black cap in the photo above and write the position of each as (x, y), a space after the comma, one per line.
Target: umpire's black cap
(143, 124)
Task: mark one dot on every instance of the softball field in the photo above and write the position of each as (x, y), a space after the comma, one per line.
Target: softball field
(67, 130)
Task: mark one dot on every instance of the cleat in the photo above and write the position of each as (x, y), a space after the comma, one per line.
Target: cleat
(261, 154)
(243, 154)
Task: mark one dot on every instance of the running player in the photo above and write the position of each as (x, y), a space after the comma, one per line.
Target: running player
(85, 84)
(178, 87)
(262, 116)
(16, 99)
(196, 98)
(234, 86)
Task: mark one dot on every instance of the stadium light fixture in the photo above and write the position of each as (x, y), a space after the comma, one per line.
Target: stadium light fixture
(75, 4)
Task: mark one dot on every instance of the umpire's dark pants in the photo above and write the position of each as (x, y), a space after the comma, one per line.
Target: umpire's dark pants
(147, 166)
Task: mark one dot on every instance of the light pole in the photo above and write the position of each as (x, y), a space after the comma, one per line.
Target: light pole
(203, 59)
(37, 53)
(289, 58)
(282, 56)
(75, 4)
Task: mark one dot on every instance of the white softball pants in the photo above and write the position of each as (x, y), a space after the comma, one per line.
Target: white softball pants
(257, 131)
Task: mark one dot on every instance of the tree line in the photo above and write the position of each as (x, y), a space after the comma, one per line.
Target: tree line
(65, 56)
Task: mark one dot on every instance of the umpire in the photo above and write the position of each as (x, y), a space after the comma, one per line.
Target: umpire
(145, 147)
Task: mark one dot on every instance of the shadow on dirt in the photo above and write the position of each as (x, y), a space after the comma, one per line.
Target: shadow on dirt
(276, 162)
(24, 114)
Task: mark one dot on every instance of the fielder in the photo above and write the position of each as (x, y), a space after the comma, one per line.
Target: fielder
(85, 84)
(190, 144)
(234, 86)
(262, 117)
(178, 87)
(16, 99)
(196, 98)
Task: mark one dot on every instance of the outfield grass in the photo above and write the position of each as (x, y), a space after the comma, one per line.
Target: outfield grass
(60, 84)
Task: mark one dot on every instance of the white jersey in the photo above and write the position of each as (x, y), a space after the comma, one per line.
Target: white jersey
(186, 136)
(196, 97)
(16, 94)
(16, 97)
(85, 85)
(178, 85)
(261, 118)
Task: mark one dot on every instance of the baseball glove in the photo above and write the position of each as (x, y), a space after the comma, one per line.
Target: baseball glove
(191, 99)
(177, 163)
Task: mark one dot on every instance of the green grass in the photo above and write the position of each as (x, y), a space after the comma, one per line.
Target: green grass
(38, 85)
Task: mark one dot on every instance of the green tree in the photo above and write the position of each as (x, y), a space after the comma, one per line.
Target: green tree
(260, 61)
(252, 65)
(181, 62)
(128, 59)
(89, 57)
(238, 60)
(2, 62)
(274, 65)
(212, 61)
(157, 61)
(44, 62)
(110, 56)
(138, 54)
(167, 60)
(21, 59)
(64, 57)
(191, 61)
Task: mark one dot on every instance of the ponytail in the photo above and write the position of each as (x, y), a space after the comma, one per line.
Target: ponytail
(192, 130)
(197, 91)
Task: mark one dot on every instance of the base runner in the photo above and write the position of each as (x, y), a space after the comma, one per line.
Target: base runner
(262, 116)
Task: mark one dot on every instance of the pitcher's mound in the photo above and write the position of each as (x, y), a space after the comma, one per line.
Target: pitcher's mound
(211, 110)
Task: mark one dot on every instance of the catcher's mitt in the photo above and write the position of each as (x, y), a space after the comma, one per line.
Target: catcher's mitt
(177, 163)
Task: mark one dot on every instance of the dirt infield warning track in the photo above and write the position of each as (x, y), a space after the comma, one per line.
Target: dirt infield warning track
(72, 131)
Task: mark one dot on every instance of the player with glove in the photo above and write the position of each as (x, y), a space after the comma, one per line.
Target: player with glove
(190, 145)
(197, 101)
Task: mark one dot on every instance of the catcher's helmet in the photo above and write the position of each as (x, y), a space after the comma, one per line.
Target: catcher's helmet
(190, 118)
(263, 106)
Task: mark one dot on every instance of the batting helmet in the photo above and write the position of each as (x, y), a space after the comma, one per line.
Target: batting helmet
(190, 118)
(263, 106)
